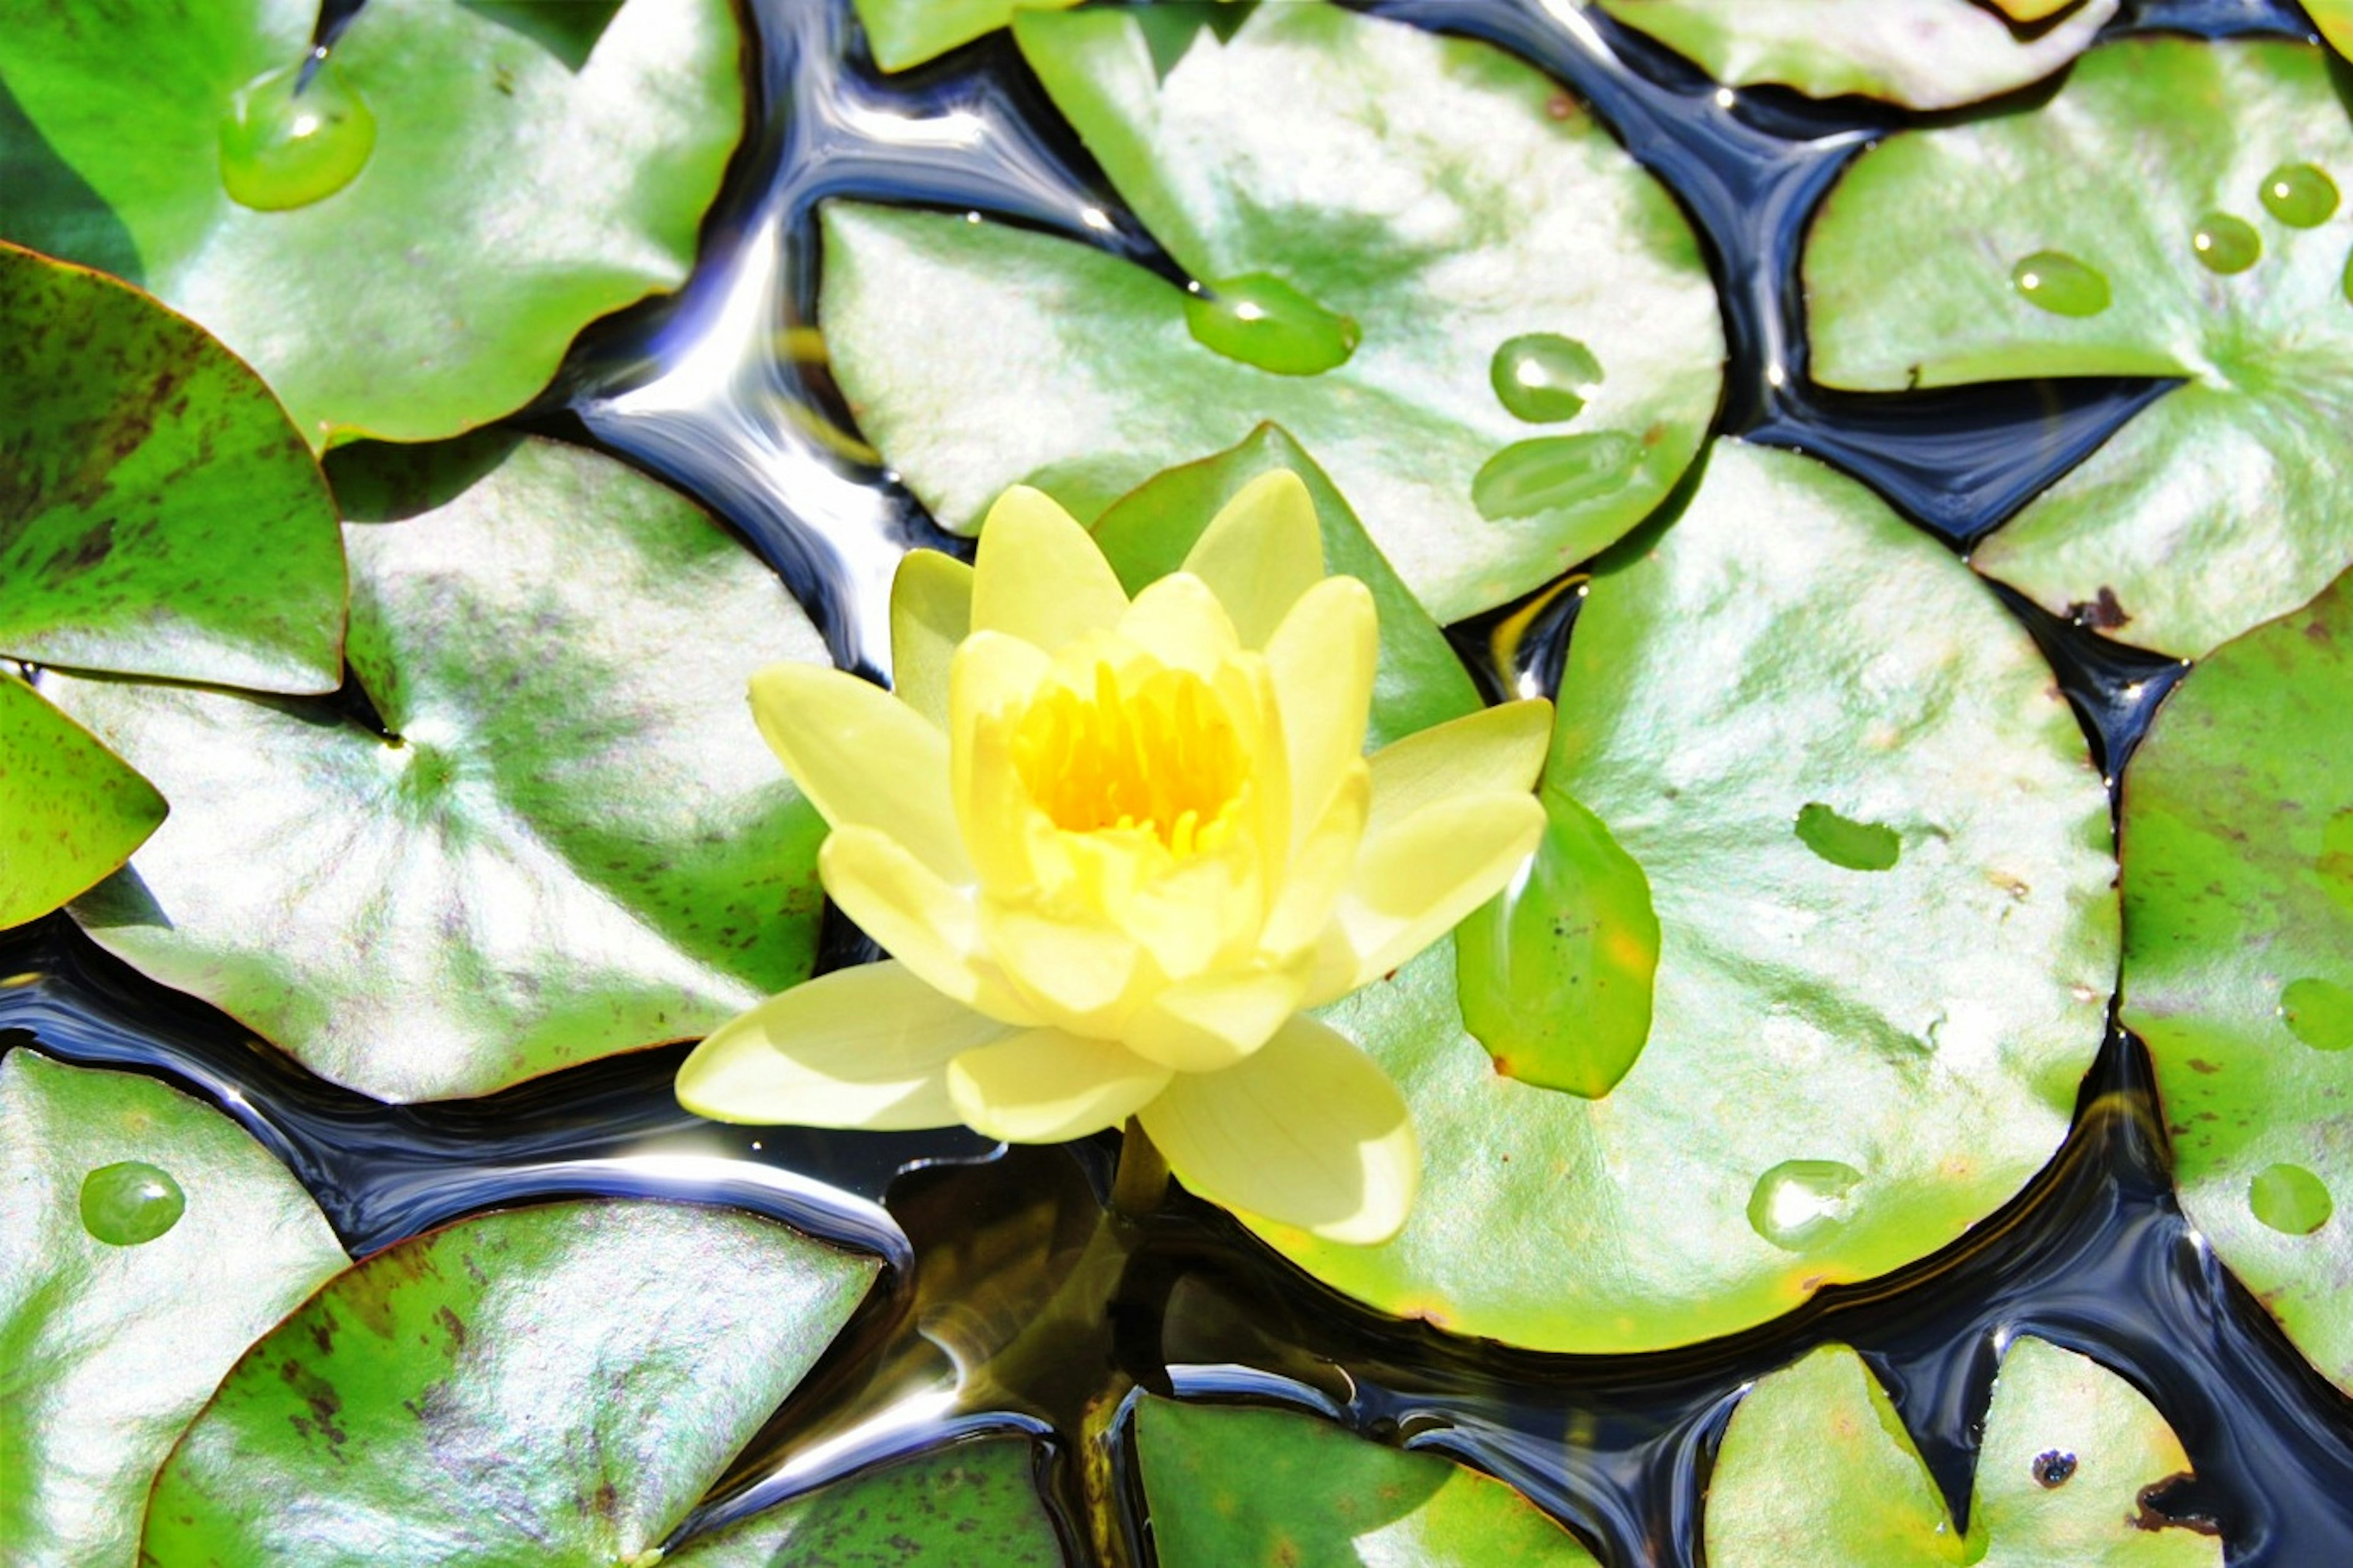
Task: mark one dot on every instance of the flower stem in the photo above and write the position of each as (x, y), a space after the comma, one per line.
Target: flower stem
(1142, 1179)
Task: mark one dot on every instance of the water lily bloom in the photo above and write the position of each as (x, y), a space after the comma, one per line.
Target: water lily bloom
(1115, 847)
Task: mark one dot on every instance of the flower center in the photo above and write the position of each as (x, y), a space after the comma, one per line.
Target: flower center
(1161, 757)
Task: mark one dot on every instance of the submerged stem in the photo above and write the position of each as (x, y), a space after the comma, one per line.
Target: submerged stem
(1143, 1180)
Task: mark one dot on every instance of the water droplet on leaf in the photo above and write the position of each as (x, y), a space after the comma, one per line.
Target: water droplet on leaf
(2290, 1199)
(130, 1203)
(2299, 195)
(1263, 321)
(1800, 1202)
(2318, 1013)
(1536, 376)
(1534, 476)
(287, 144)
(1845, 842)
(2058, 283)
(2226, 243)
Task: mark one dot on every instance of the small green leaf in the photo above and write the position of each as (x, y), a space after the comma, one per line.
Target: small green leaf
(902, 33)
(574, 841)
(514, 189)
(974, 1505)
(2171, 212)
(552, 1384)
(2238, 968)
(1816, 1467)
(1147, 534)
(70, 810)
(1923, 54)
(158, 515)
(1842, 841)
(1554, 974)
(1231, 1487)
(1380, 247)
(109, 1343)
(1825, 1094)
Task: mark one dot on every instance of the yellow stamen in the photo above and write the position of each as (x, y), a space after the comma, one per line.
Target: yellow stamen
(1161, 757)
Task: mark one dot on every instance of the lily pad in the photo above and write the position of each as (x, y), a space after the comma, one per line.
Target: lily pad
(1846, 1069)
(1923, 54)
(572, 842)
(1395, 206)
(902, 33)
(70, 810)
(2238, 848)
(1815, 1467)
(1419, 681)
(974, 1505)
(111, 1345)
(158, 514)
(1232, 1487)
(555, 1385)
(2172, 212)
(508, 198)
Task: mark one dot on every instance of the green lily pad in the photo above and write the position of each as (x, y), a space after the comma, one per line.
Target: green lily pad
(1846, 1069)
(2172, 212)
(507, 196)
(1554, 975)
(1148, 533)
(1348, 215)
(554, 1384)
(109, 1346)
(2238, 850)
(974, 1505)
(70, 810)
(1923, 54)
(1232, 1487)
(904, 32)
(577, 844)
(1815, 1467)
(158, 515)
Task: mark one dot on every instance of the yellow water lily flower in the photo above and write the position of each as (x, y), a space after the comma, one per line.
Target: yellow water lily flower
(1115, 847)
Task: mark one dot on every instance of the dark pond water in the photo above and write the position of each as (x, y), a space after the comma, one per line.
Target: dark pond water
(2095, 1256)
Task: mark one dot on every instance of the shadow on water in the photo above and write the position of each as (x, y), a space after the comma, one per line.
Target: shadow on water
(1013, 1302)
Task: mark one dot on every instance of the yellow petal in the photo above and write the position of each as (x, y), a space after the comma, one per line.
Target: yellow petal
(863, 758)
(1322, 658)
(1046, 1087)
(1203, 911)
(990, 681)
(931, 612)
(1415, 882)
(1179, 622)
(1204, 1025)
(1319, 872)
(1039, 576)
(868, 1047)
(922, 922)
(1308, 1131)
(1077, 973)
(1499, 748)
(1260, 551)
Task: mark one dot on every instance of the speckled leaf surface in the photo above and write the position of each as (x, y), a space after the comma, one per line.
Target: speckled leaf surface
(2227, 500)
(577, 844)
(2068, 1448)
(1231, 1487)
(1446, 198)
(158, 515)
(70, 810)
(974, 1505)
(511, 195)
(902, 33)
(1419, 681)
(2237, 845)
(1846, 1069)
(553, 1385)
(1923, 54)
(106, 1351)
